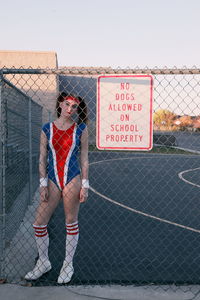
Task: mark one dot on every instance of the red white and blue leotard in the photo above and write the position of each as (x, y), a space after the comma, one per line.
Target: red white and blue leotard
(63, 147)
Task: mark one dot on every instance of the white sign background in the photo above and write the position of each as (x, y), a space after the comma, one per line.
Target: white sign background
(124, 112)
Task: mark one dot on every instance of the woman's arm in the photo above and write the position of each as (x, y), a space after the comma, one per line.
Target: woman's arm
(42, 167)
(43, 155)
(84, 164)
(84, 154)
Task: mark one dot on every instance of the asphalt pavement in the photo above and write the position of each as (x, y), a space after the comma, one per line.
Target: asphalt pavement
(139, 234)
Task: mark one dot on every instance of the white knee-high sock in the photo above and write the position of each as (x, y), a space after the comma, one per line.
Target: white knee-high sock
(42, 240)
(72, 231)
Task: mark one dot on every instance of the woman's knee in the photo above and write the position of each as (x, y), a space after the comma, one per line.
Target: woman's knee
(71, 215)
(71, 219)
(41, 220)
(43, 214)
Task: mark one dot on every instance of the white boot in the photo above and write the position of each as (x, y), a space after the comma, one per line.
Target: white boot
(41, 267)
(43, 264)
(66, 272)
(67, 269)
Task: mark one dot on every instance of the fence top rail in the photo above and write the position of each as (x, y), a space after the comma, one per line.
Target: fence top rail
(102, 71)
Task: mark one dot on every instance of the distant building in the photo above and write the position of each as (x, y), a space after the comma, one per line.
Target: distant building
(28, 59)
(41, 88)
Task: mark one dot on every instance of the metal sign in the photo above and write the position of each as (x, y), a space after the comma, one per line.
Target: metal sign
(124, 112)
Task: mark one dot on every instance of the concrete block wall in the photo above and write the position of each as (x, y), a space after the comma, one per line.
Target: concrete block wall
(41, 88)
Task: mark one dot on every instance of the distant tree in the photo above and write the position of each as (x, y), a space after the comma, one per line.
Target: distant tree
(163, 118)
(185, 121)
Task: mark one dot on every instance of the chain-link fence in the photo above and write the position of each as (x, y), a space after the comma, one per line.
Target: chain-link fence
(141, 221)
(21, 121)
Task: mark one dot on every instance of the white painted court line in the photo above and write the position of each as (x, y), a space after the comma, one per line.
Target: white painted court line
(180, 175)
(135, 210)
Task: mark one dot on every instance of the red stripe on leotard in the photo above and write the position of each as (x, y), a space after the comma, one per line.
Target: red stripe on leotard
(62, 143)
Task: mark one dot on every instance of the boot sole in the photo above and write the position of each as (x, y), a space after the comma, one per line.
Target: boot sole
(28, 279)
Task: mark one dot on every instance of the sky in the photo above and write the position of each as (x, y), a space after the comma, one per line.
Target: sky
(107, 33)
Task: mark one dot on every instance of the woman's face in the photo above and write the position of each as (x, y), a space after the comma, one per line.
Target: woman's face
(69, 108)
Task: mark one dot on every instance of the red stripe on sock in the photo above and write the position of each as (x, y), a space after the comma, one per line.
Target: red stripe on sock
(73, 233)
(41, 235)
(70, 229)
(40, 228)
(69, 226)
(42, 231)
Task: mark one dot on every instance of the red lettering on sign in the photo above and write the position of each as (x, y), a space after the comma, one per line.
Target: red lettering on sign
(125, 86)
(125, 107)
(124, 118)
(124, 138)
(124, 128)
(124, 96)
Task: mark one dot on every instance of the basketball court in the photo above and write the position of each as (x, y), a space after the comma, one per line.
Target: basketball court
(140, 224)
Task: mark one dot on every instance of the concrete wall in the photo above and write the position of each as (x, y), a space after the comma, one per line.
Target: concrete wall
(28, 59)
(41, 88)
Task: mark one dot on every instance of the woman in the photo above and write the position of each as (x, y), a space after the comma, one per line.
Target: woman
(59, 145)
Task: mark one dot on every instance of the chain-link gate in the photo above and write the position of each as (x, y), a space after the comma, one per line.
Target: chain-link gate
(140, 223)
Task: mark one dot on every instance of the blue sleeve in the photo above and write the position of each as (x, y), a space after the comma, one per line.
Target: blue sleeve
(46, 129)
(82, 126)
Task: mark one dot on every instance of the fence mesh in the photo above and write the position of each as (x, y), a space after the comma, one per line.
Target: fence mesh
(140, 223)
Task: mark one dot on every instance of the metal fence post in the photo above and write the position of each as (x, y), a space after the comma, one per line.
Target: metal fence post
(30, 151)
(1, 188)
(50, 116)
(2, 180)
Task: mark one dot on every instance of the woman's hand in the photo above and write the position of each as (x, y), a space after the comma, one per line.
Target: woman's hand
(44, 194)
(83, 194)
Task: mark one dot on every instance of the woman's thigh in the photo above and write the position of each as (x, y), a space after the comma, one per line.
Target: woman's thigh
(71, 199)
(46, 208)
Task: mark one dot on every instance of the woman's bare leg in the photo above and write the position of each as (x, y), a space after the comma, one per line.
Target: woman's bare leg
(71, 200)
(46, 208)
(43, 214)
